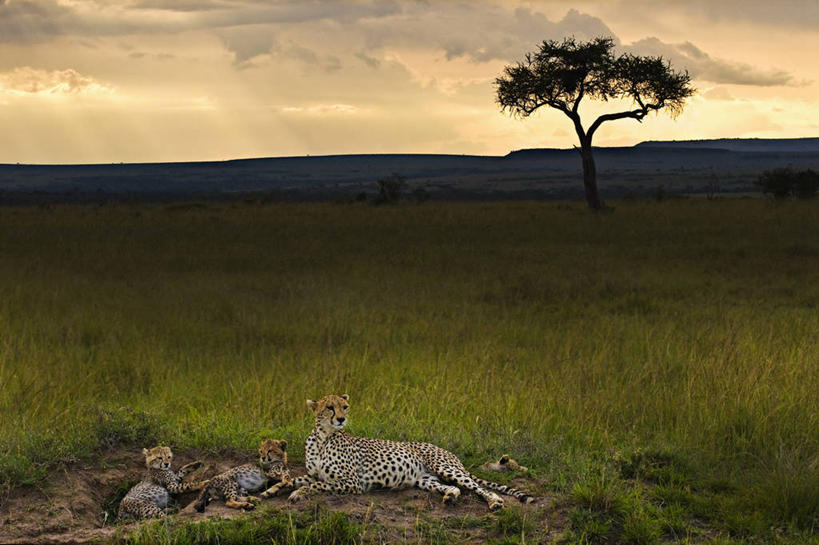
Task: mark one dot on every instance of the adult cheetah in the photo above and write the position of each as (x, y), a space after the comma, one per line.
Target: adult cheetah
(344, 464)
(149, 497)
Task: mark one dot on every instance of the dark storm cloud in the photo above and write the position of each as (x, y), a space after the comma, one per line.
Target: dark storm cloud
(702, 66)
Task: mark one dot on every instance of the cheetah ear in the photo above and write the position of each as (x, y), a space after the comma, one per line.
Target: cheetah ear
(145, 452)
(311, 405)
(345, 397)
(283, 444)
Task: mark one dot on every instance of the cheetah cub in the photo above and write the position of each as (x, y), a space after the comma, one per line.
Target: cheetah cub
(344, 464)
(149, 497)
(234, 484)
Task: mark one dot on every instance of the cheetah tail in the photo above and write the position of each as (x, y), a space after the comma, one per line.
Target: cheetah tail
(520, 495)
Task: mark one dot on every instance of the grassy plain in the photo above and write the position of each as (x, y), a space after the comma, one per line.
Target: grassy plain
(656, 367)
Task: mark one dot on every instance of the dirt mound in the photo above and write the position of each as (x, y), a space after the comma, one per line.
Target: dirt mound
(78, 503)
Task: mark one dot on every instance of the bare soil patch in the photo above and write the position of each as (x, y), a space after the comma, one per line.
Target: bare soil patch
(78, 504)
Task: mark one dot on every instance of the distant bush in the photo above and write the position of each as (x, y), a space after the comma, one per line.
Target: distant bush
(390, 189)
(659, 194)
(787, 182)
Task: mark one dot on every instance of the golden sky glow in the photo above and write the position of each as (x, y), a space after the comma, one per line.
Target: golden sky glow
(177, 80)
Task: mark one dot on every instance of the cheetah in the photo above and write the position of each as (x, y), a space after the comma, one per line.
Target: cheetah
(149, 497)
(505, 464)
(344, 464)
(234, 484)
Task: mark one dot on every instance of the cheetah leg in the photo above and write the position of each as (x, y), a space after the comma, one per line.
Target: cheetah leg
(247, 497)
(188, 468)
(335, 487)
(464, 479)
(236, 498)
(181, 488)
(240, 502)
(431, 483)
(273, 490)
(139, 509)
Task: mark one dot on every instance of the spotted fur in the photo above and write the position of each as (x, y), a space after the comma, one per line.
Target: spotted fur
(150, 497)
(234, 485)
(344, 464)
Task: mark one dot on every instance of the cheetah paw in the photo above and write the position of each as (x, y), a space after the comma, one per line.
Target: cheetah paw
(451, 495)
(295, 496)
(495, 503)
(272, 491)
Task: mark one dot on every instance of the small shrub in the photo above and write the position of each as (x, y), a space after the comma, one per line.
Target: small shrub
(660, 194)
(391, 189)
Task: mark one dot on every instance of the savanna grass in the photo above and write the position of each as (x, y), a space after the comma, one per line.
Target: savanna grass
(574, 341)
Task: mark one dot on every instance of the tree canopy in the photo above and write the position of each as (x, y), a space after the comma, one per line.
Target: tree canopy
(561, 74)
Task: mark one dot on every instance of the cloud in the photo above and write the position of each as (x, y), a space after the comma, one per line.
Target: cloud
(30, 81)
(372, 62)
(703, 67)
(248, 41)
(29, 21)
(718, 93)
(788, 13)
(477, 31)
(180, 5)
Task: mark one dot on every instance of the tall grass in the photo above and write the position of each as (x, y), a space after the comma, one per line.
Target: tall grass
(530, 328)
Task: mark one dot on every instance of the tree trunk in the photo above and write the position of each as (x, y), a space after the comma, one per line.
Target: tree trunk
(590, 177)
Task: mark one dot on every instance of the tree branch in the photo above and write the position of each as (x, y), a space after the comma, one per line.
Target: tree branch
(638, 114)
(580, 95)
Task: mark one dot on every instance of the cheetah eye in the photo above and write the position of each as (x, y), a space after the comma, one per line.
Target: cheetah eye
(345, 407)
(331, 408)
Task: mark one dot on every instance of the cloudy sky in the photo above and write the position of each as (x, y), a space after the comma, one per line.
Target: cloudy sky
(167, 80)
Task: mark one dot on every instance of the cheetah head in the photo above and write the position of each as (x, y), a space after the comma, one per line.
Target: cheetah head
(330, 411)
(272, 450)
(158, 457)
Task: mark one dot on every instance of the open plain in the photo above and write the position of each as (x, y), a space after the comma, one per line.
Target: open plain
(654, 367)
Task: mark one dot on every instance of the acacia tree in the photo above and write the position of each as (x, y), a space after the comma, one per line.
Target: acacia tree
(561, 74)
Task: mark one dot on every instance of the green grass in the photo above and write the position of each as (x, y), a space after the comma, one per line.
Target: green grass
(655, 366)
(263, 527)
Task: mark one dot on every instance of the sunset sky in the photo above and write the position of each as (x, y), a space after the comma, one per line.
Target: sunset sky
(179, 80)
